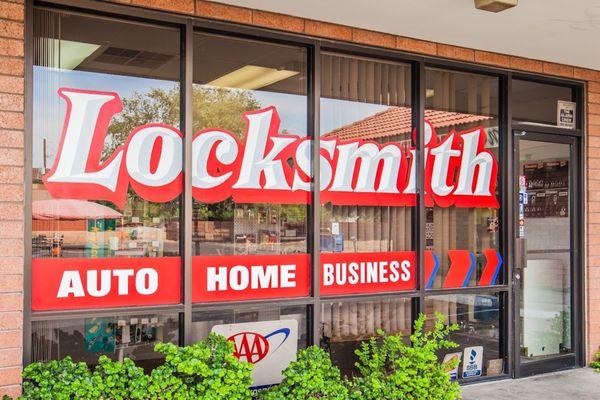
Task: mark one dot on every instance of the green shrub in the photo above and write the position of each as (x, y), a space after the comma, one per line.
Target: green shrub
(56, 380)
(310, 377)
(596, 364)
(113, 380)
(392, 370)
(207, 370)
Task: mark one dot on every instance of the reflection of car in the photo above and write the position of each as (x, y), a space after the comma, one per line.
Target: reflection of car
(487, 308)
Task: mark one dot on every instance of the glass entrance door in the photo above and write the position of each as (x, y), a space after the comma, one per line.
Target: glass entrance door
(545, 262)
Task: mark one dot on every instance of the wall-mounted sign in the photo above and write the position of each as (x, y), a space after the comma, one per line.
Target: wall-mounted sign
(565, 114)
(265, 167)
(472, 362)
(269, 345)
(78, 283)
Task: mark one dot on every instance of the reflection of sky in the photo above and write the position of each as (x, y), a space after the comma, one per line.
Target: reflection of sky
(49, 109)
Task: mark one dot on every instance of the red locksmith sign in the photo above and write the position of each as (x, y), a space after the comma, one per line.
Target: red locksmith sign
(79, 283)
(266, 167)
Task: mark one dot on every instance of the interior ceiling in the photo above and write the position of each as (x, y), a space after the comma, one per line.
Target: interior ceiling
(553, 30)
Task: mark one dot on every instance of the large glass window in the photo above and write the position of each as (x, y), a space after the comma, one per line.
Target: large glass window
(462, 229)
(367, 198)
(138, 63)
(365, 102)
(251, 170)
(105, 211)
(119, 336)
(234, 77)
(346, 323)
(480, 333)
(541, 103)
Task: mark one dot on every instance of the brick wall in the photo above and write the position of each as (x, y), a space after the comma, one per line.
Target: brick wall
(11, 194)
(12, 125)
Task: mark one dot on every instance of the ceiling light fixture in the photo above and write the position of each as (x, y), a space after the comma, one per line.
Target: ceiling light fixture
(252, 77)
(69, 54)
(495, 5)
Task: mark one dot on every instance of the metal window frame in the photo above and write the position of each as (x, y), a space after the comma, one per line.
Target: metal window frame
(188, 24)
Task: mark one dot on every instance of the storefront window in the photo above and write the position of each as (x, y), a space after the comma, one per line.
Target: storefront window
(345, 324)
(479, 318)
(367, 194)
(250, 114)
(542, 103)
(462, 227)
(103, 233)
(107, 194)
(117, 337)
(268, 336)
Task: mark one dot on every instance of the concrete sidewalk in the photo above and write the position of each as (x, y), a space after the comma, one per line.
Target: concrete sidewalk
(581, 384)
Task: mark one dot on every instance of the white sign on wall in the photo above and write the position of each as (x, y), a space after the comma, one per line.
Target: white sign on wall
(269, 345)
(565, 114)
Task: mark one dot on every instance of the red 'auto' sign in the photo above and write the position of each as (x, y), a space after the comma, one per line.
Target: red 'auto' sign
(79, 283)
(345, 273)
(220, 278)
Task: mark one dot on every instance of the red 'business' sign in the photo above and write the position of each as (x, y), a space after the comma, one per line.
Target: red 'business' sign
(346, 273)
(79, 283)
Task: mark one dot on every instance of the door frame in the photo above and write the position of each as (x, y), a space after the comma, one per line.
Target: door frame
(576, 357)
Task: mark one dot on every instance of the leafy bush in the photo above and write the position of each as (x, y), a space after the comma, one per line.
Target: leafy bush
(56, 380)
(388, 369)
(310, 377)
(113, 380)
(596, 364)
(207, 370)
(392, 370)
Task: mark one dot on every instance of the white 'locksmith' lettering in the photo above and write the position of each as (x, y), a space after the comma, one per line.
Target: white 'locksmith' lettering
(100, 283)
(241, 277)
(266, 167)
(84, 117)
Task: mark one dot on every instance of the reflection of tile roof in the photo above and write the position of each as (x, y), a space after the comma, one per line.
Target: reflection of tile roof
(397, 121)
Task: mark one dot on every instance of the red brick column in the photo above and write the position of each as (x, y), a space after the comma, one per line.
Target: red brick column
(593, 214)
(11, 194)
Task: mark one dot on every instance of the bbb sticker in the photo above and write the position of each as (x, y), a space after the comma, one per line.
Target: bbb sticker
(269, 345)
(472, 362)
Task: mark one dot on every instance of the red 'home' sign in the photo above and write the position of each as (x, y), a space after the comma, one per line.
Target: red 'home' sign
(220, 278)
(266, 167)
